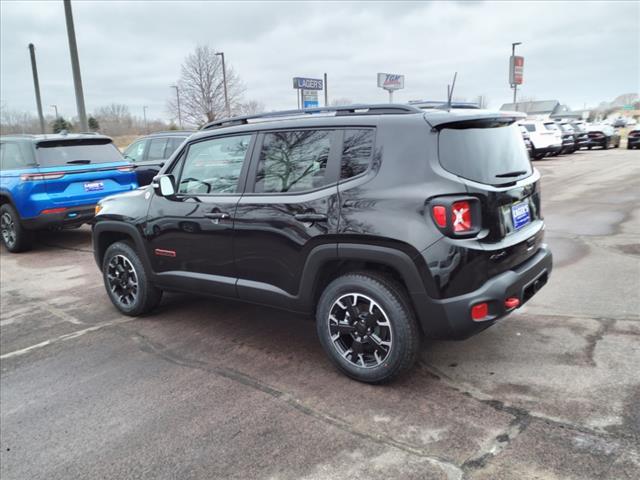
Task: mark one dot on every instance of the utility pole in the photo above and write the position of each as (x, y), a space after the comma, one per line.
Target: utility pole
(144, 114)
(75, 66)
(326, 95)
(36, 85)
(515, 85)
(55, 107)
(178, 101)
(224, 81)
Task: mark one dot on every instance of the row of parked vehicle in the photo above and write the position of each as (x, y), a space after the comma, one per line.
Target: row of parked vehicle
(554, 137)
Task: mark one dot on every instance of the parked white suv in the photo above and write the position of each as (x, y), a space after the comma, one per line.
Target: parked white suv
(545, 139)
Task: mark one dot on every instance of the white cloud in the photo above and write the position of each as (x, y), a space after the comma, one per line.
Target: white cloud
(130, 52)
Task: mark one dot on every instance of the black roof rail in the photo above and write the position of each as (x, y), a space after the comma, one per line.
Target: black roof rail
(364, 109)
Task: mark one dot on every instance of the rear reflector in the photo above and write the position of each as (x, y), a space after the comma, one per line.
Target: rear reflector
(511, 303)
(33, 177)
(52, 210)
(165, 253)
(479, 311)
(440, 215)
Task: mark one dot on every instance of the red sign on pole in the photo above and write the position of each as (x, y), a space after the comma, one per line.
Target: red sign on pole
(516, 70)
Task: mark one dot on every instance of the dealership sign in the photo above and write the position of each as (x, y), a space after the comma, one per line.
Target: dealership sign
(390, 81)
(516, 70)
(309, 98)
(308, 83)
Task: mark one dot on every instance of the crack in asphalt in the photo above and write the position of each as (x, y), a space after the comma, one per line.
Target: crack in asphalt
(480, 396)
(451, 470)
(519, 424)
(594, 338)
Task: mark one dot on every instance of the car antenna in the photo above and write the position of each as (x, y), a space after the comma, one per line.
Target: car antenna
(450, 90)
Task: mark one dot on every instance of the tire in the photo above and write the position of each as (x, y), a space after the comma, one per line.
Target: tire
(392, 322)
(589, 147)
(14, 236)
(605, 145)
(127, 282)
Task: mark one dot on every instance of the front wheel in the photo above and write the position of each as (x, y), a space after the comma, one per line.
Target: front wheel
(127, 282)
(367, 327)
(14, 236)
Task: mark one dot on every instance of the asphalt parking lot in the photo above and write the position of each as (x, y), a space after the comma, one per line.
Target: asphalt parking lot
(214, 389)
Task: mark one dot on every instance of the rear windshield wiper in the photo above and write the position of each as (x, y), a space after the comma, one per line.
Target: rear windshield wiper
(511, 174)
(79, 162)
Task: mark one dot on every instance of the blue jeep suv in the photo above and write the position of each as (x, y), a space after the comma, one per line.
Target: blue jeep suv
(55, 181)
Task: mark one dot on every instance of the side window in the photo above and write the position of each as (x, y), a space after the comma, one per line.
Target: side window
(135, 151)
(530, 127)
(172, 144)
(156, 149)
(213, 166)
(357, 149)
(10, 156)
(293, 161)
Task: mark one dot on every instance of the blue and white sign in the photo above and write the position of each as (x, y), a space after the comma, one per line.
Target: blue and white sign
(308, 83)
(309, 98)
(520, 215)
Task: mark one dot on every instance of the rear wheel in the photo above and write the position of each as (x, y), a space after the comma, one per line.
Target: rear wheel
(14, 236)
(127, 282)
(367, 327)
(605, 145)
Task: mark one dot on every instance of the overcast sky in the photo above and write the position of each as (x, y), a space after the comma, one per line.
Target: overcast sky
(131, 51)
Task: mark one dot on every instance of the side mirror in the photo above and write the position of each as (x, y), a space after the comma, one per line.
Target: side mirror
(164, 185)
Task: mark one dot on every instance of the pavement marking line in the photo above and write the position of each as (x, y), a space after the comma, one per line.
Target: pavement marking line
(66, 336)
(59, 313)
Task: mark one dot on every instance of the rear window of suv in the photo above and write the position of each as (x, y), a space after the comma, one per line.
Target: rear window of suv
(77, 152)
(485, 151)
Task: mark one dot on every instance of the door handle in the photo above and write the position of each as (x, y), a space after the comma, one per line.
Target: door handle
(218, 215)
(310, 217)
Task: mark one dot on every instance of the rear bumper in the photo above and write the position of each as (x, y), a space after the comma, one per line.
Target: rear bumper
(71, 217)
(633, 141)
(549, 150)
(451, 317)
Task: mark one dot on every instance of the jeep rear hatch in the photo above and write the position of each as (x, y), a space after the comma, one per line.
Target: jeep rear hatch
(485, 150)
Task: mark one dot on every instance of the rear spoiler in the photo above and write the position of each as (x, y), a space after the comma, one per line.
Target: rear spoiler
(65, 142)
(470, 118)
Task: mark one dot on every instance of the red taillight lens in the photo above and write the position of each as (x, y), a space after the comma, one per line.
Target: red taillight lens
(479, 311)
(33, 177)
(52, 210)
(440, 215)
(461, 216)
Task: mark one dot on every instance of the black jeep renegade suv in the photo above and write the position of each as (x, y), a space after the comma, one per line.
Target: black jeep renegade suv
(385, 221)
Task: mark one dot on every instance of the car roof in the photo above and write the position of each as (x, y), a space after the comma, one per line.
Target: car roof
(37, 138)
(356, 115)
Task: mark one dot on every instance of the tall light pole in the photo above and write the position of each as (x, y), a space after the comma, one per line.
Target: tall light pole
(515, 85)
(178, 100)
(144, 114)
(55, 107)
(36, 85)
(75, 67)
(224, 81)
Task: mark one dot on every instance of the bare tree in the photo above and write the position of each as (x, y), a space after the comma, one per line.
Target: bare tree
(114, 119)
(247, 108)
(202, 89)
(13, 121)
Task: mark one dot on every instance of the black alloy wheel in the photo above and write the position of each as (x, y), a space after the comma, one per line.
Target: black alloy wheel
(122, 280)
(360, 330)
